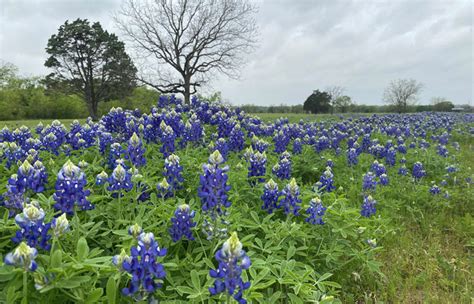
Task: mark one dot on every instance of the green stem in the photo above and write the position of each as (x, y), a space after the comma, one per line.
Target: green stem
(25, 287)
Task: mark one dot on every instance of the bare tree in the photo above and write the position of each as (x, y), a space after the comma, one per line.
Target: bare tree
(335, 92)
(181, 42)
(402, 92)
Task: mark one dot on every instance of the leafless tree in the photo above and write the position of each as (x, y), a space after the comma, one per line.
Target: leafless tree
(402, 92)
(181, 42)
(335, 92)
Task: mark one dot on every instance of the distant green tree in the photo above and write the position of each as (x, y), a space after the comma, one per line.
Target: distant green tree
(318, 102)
(91, 62)
(342, 104)
(444, 106)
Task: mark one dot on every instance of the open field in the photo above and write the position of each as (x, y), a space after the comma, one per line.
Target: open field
(352, 227)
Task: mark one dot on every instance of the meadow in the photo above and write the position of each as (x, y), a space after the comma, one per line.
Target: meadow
(202, 203)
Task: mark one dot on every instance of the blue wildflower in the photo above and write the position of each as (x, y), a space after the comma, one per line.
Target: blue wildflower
(213, 186)
(257, 162)
(136, 151)
(101, 178)
(297, 146)
(33, 230)
(147, 273)
(270, 196)
(326, 181)
(316, 212)
(369, 182)
(70, 189)
(23, 256)
(182, 222)
(435, 189)
(368, 207)
(282, 169)
(232, 260)
(173, 172)
(384, 179)
(352, 157)
(418, 171)
(120, 179)
(291, 200)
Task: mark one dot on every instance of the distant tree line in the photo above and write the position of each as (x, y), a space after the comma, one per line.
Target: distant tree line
(29, 98)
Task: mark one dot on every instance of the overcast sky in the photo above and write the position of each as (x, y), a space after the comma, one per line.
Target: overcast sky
(304, 45)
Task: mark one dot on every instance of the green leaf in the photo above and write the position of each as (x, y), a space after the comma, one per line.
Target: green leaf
(111, 290)
(94, 296)
(195, 280)
(56, 259)
(82, 249)
(291, 252)
(294, 299)
(185, 289)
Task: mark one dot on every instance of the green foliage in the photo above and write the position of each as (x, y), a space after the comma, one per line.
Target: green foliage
(318, 102)
(91, 62)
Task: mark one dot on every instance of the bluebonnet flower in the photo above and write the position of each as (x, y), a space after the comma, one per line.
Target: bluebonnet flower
(435, 189)
(369, 182)
(384, 179)
(222, 146)
(444, 182)
(368, 207)
(443, 151)
(316, 212)
(70, 189)
(290, 201)
(282, 169)
(418, 171)
(118, 260)
(135, 230)
(164, 189)
(23, 256)
(60, 225)
(120, 179)
(173, 172)
(330, 163)
(390, 156)
(259, 144)
(270, 196)
(236, 139)
(451, 169)
(378, 168)
(326, 181)
(136, 151)
(352, 157)
(213, 186)
(101, 178)
(31, 177)
(33, 230)
(167, 138)
(281, 141)
(182, 222)
(257, 167)
(147, 273)
(297, 146)
(403, 170)
(232, 260)
(403, 160)
(115, 153)
(14, 197)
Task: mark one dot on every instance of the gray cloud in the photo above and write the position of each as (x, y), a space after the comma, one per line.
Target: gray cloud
(304, 45)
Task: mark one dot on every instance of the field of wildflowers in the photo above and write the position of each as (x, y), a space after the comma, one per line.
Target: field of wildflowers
(202, 203)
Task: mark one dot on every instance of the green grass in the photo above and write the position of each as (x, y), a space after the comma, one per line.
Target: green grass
(32, 123)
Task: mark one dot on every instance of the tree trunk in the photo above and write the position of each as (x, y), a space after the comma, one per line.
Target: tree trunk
(187, 90)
